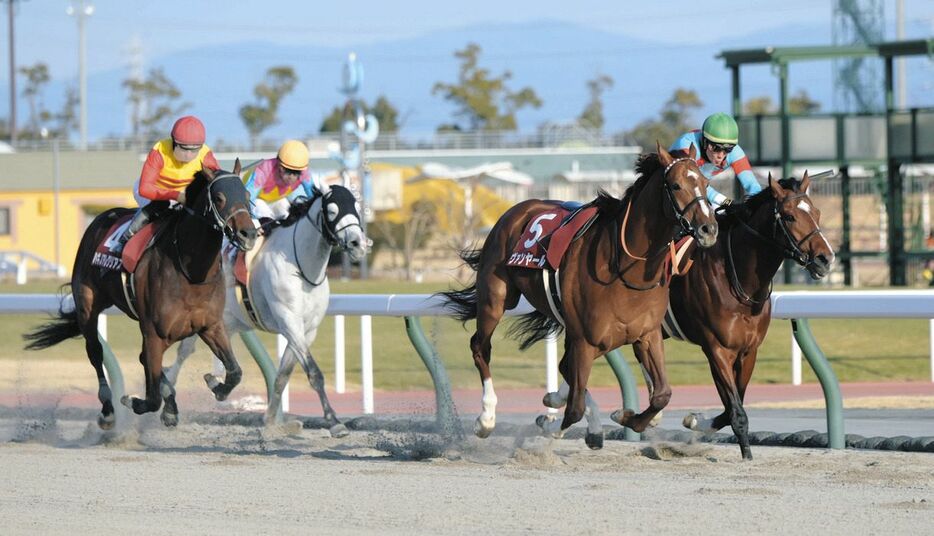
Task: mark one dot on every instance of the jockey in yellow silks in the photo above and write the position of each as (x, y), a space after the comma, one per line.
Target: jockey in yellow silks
(275, 182)
(169, 168)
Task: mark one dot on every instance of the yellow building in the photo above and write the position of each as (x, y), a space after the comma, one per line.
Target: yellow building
(47, 200)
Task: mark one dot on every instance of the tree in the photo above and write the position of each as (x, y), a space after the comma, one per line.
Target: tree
(801, 103)
(674, 119)
(482, 100)
(37, 76)
(277, 83)
(592, 116)
(409, 235)
(66, 120)
(382, 109)
(154, 103)
(759, 106)
(798, 104)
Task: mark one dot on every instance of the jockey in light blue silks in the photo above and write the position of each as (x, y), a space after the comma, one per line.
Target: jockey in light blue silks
(717, 140)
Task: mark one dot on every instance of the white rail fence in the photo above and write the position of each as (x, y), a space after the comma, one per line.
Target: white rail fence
(887, 304)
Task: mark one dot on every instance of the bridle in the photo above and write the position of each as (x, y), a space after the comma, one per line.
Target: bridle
(327, 228)
(789, 247)
(686, 228)
(213, 216)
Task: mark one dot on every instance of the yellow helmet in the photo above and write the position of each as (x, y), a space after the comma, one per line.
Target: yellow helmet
(294, 155)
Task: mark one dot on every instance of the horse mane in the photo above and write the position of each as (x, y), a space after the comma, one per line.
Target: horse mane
(646, 166)
(746, 209)
(297, 211)
(197, 186)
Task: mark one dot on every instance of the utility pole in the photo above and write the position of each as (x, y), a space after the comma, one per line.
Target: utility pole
(82, 11)
(902, 96)
(12, 77)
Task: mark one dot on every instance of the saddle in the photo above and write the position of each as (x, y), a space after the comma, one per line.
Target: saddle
(126, 263)
(545, 240)
(104, 256)
(242, 260)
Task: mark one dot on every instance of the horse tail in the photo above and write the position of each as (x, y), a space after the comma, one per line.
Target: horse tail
(532, 327)
(463, 303)
(471, 257)
(64, 326)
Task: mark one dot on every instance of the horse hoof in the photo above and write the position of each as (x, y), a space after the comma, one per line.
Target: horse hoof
(594, 441)
(170, 419)
(339, 430)
(690, 421)
(656, 420)
(622, 416)
(553, 400)
(105, 422)
(125, 400)
(481, 431)
(212, 381)
(543, 420)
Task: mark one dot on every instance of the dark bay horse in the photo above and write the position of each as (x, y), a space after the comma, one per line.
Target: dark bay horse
(612, 280)
(723, 305)
(179, 288)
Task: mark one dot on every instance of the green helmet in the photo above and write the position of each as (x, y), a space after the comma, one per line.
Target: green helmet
(721, 128)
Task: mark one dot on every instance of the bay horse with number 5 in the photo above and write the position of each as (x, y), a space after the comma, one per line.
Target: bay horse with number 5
(179, 287)
(613, 282)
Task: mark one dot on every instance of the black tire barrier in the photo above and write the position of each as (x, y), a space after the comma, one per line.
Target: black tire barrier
(427, 424)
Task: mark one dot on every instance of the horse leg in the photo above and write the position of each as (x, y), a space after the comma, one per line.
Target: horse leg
(286, 365)
(316, 380)
(651, 354)
(95, 351)
(185, 348)
(493, 293)
(216, 339)
(723, 367)
(557, 399)
(151, 359)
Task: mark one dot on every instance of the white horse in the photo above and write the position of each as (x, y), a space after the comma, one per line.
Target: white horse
(289, 288)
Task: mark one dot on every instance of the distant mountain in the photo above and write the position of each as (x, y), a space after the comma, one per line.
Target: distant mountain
(556, 59)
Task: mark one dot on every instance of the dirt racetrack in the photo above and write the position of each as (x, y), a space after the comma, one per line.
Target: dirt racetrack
(61, 475)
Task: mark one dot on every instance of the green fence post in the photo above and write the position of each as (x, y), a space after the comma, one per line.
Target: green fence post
(114, 374)
(258, 351)
(828, 381)
(627, 384)
(444, 404)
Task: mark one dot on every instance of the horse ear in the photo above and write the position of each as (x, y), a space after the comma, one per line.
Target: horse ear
(805, 182)
(208, 173)
(777, 191)
(692, 152)
(236, 169)
(663, 156)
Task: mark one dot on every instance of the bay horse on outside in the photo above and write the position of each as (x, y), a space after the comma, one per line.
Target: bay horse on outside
(289, 290)
(612, 280)
(179, 290)
(723, 304)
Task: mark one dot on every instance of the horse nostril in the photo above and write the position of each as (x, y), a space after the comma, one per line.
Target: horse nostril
(822, 259)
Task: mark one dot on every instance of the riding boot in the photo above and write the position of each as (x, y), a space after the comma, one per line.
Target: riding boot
(140, 220)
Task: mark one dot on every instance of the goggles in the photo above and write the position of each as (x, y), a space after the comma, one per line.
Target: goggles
(720, 147)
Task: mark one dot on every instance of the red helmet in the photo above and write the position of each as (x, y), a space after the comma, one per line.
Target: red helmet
(188, 130)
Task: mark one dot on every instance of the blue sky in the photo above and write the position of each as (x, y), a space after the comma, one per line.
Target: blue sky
(169, 28)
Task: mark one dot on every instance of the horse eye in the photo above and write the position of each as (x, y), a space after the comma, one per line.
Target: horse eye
(788, 217)
(676, 186)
